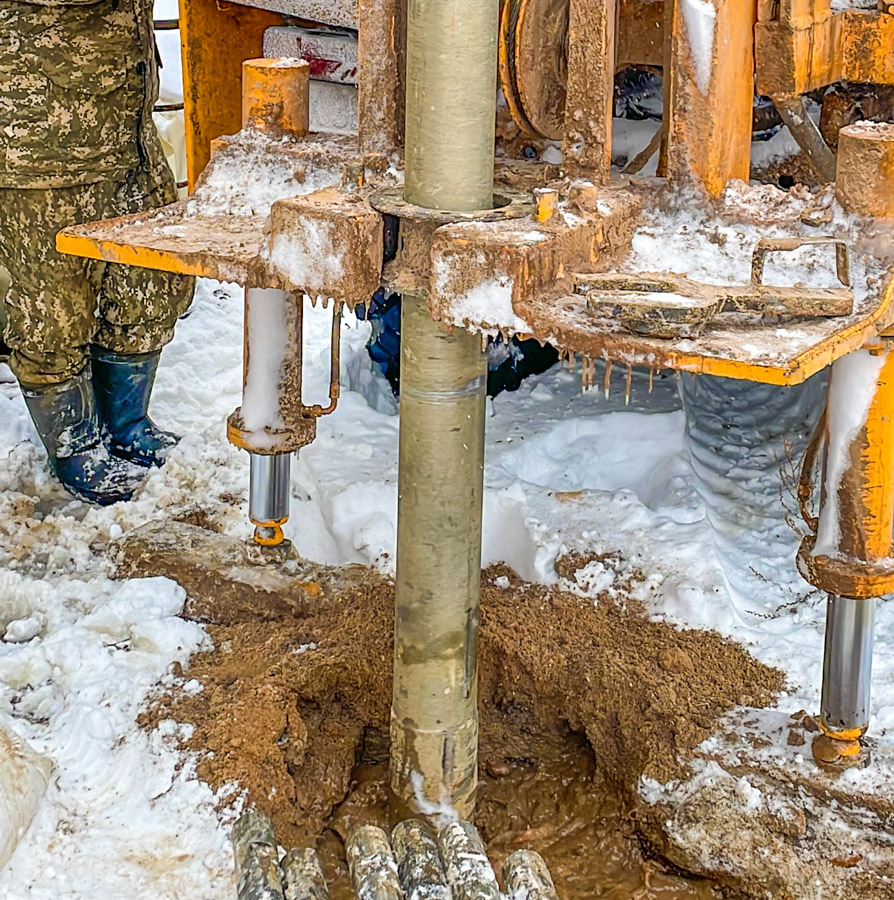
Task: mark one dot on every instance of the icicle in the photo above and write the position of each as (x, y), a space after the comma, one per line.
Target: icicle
(608, 378)
(627, 385)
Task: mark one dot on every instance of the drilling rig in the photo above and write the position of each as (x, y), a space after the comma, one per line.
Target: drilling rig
(365, 134)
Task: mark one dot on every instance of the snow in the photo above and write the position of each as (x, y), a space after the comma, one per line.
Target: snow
(488, 305)
(700, 17)
(245, 179)
(268, 335)
(851, 390)
(23, 780)
(846, 5)
(307, 255)
(631, 136)
(694, 517)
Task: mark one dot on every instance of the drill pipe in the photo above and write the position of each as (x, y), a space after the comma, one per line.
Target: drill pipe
(451, 99)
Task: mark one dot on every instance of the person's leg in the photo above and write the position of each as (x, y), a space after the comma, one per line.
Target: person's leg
(51, 309)
(51, 300)
(138, 309)
(5, 281)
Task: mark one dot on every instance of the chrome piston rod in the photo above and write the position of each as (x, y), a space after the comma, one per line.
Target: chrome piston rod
(847, 664)
(268, 495)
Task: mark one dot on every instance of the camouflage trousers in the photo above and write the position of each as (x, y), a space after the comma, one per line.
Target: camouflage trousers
(57, 305)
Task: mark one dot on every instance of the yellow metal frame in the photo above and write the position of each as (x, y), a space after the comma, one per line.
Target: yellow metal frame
(215, 39)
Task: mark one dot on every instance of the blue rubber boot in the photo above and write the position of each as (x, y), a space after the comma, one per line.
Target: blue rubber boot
(123, 384)
(67, 421)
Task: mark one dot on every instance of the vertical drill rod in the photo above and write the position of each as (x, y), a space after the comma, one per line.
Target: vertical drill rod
(451, 96)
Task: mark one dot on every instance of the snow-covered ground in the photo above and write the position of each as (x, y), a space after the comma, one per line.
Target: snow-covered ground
(566, 470)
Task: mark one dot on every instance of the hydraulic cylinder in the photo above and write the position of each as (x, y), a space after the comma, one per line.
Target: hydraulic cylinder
(847, 665)
(268, 496)
(850, 557)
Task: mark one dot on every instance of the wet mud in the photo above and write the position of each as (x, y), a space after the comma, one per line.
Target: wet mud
(578, 699)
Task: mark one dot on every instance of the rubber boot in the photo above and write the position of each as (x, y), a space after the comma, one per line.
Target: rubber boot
(123, 384)
(68, 423)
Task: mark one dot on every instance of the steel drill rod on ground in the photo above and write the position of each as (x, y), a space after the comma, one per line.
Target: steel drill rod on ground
(303, 877)
(847, 664)
(419, 866)
(451, 77)
(468, 869)
(372, 865)
(258, 876)
(527, 877)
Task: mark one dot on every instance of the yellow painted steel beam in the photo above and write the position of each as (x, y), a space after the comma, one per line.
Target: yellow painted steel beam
(215, 39)
(710, 92)
(797, 54)
(128, 255)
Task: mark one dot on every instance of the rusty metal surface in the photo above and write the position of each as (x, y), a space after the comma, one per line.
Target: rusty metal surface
(803, 46)
(732, 345)
(242, 248)
(709, 94)
(381, 89)
(667, 305)
(865, 179)
(345, 227)
(586, 138)
(529, 257)
(534, 64)
(858, 579)
(298, 433)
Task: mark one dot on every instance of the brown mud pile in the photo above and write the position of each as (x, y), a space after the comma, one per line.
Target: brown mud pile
(577, 701)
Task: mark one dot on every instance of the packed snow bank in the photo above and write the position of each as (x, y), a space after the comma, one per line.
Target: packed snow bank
(123, 813)
(23, 780)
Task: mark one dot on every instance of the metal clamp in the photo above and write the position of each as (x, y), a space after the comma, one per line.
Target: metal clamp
(766, 246)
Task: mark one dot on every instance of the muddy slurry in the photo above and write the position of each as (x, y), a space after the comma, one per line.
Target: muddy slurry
(578, 700)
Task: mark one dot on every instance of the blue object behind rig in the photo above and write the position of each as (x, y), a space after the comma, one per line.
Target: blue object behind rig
(507, 364)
